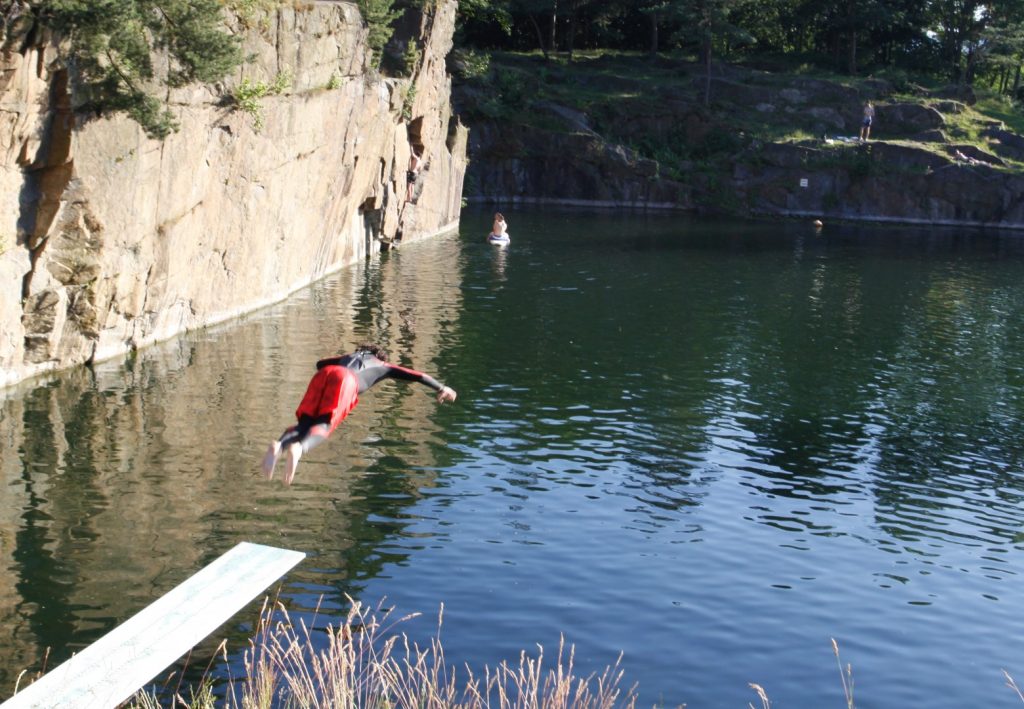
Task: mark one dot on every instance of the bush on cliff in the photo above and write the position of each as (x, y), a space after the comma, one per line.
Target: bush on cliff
(110, 45)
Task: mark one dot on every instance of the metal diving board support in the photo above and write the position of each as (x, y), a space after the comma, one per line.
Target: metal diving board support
(113, 668)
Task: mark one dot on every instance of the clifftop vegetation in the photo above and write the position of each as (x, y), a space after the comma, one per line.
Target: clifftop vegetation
(967, 42)
(703, 92)
(110, 46)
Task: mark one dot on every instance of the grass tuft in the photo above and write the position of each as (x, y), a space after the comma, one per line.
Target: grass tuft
(365, 662)
(1013, 685)
(846, 677)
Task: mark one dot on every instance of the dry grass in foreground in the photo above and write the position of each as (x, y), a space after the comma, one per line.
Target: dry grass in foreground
(365, 663)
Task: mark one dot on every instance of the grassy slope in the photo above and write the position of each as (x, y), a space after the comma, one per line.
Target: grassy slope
(657, 106)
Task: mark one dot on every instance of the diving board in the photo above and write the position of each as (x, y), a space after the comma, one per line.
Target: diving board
(114, 667)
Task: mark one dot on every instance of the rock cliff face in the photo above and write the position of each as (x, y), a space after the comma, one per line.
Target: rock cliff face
(932, 159)
(110, 240)
(513, 165)
(881, 182)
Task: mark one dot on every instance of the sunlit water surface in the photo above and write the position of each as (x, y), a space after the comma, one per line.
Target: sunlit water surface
(710, 446)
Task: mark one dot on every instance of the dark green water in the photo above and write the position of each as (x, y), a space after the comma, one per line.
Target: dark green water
(711, 446)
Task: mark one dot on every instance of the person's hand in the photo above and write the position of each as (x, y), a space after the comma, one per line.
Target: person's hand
(446, 394)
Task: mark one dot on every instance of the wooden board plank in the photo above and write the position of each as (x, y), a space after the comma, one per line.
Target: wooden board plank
(114, 667)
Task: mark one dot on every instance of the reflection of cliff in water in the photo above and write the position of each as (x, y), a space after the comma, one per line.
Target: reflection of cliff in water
(120, 482)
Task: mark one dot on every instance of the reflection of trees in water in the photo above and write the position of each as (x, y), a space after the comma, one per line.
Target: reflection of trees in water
(899, 385)
(132, 476)
(954, 409)
(578, 382)
(80, 548)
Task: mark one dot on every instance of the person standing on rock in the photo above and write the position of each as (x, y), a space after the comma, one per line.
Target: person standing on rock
(331, 394)
(869, 118)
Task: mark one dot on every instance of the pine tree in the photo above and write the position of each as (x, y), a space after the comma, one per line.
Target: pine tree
(111, 45)
(379, 14)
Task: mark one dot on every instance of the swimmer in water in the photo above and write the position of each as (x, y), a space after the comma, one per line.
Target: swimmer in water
(500, 228)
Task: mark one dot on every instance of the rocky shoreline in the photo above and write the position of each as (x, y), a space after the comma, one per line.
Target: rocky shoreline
(931, 161)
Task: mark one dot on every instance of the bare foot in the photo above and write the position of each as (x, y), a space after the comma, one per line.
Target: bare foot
(270, 459)
(294, 453)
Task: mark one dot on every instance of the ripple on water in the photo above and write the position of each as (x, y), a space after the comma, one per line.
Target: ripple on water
(710, 446)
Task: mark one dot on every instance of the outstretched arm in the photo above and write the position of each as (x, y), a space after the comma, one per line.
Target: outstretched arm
(369, 377)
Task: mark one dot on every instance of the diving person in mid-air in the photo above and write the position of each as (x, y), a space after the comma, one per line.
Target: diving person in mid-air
(331, 394)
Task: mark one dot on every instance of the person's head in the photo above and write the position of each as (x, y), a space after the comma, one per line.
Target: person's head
(374, 349)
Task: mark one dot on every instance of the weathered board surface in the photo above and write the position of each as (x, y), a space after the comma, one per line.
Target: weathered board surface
(114, 667)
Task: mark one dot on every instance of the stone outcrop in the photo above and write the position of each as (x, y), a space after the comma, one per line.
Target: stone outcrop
(110, 240)
(879, 182)
(903, 119)
(931, 160)
(517, 165)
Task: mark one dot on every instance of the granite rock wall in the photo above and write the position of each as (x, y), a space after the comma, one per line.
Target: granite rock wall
(110, 240)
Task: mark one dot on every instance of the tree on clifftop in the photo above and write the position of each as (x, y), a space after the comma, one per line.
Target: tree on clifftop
(379, 15)
(703, 22)
(111, 45)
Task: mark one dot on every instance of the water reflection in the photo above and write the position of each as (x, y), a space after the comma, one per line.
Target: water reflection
(728, 429)
(123, 480)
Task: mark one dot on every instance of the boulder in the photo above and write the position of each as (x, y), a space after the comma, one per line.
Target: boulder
(879, 88)
(957, 92)
(930, 136)
(829, 118)
(820, 92)
(904, 119)
(795, 96)
(953, 107)
(723, 90)
(882, 182)
(513, 163)
(1003, 142)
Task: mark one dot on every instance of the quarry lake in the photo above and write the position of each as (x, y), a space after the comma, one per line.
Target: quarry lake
(711, 446)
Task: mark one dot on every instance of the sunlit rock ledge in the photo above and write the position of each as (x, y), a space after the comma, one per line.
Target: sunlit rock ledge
(111, 240)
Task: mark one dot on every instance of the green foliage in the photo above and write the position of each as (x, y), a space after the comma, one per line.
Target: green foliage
(855, 159)
(248, 96)
(1005, 109)
(253, 13)
(411, 57)
(378, 15)
(112, 42)
(469, 64)
(960, 40)
(718, 141)
(508, 91)
(407, 102)
(899, 78)
(512, 86)
(334, 82)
